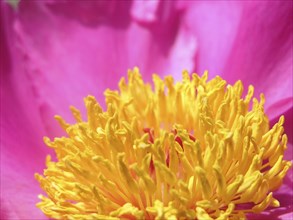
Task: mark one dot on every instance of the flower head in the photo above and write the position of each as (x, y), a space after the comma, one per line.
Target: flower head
(53, 53)
(191, 149)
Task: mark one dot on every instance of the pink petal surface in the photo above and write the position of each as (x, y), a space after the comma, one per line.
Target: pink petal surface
(247, 40)
(262, 53)
(66, 60)
(21, 157)
(145, 11)
(215, 25)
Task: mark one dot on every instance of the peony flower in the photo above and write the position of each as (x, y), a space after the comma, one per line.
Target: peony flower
(187, 150)
(55, 53)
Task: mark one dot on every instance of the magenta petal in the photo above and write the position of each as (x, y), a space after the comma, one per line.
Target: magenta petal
(22, 154)
(64, 59)
(214, 24)
(280, 106)
(182, 53)
(22, 150)
(249, 41)
(262, 52)
(145, 11)
(19, 189)
(287, 216)
(92, 13)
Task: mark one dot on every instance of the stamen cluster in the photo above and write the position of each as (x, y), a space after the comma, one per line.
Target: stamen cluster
(196, 149)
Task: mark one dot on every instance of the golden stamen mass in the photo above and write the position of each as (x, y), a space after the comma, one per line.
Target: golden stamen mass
(194, 149)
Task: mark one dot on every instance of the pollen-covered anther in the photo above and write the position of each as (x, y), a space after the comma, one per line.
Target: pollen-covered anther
(195, 149)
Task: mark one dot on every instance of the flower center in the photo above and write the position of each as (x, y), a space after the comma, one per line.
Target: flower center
(193, 149)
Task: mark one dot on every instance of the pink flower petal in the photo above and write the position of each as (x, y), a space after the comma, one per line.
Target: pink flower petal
(19, 189)
(287, 216)
(214, 24)
(91, 13)
(65, 60)
(145, 11)
(21, 157)
(246, 40)
(280, 106)
(262, 55)
(182, 54)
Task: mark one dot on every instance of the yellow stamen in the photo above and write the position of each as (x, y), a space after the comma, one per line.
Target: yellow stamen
(194, 149)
